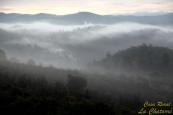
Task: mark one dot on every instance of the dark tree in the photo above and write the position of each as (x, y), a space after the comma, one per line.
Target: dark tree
(76, 84)
(2, 55)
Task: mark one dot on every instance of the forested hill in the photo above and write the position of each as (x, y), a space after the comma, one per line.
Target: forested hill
(145, 58)
(28, 89)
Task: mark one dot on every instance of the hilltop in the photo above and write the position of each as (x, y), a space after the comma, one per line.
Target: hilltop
(143, 58)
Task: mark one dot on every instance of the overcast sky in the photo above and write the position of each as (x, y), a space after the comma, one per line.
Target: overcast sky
(95, 6)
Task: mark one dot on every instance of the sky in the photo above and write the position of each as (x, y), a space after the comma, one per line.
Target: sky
(103, 7)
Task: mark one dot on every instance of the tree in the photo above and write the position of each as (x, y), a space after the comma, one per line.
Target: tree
(31, 62)
(166, 59)
(2, 55)
(76, 84)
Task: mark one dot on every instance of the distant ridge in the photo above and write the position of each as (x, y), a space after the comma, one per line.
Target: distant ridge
(82, 17)
(84, 13)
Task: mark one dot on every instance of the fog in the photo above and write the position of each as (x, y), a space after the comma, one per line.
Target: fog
(74, 46)
(77, 65)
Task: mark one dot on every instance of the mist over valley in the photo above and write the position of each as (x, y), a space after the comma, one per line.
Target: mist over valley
(84, 63)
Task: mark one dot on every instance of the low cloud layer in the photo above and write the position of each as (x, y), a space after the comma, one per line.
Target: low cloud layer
(75, 46)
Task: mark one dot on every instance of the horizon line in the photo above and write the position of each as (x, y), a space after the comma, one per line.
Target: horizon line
(135, 13)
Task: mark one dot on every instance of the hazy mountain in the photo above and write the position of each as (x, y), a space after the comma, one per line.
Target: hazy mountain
(87, 17)
(74, 40)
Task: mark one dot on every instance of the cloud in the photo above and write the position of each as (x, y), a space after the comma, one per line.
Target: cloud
(75, 46)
